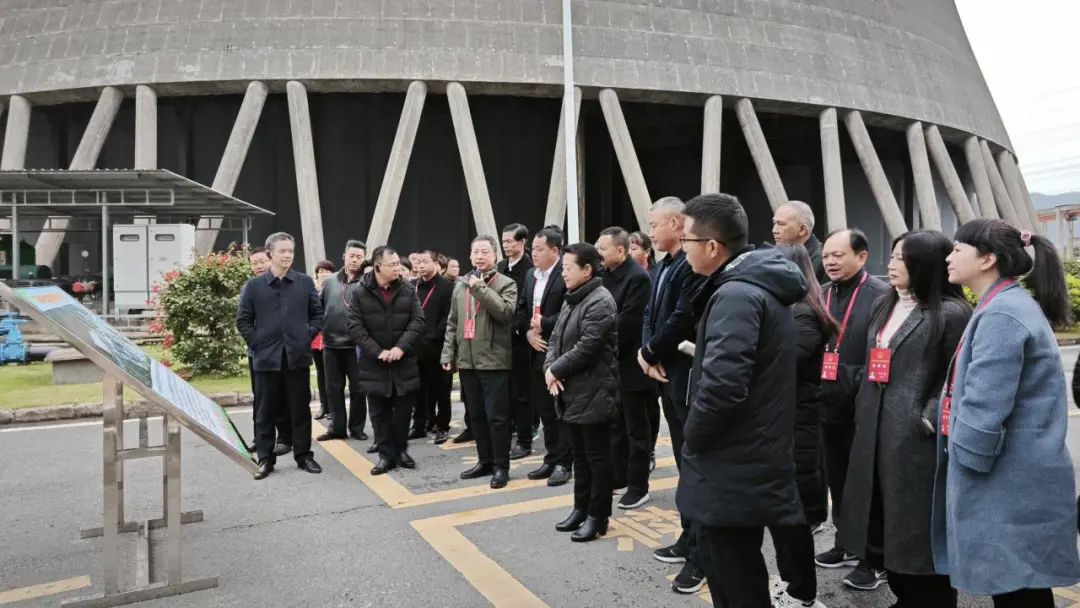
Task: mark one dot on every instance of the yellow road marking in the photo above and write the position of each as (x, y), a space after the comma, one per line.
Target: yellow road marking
(483, 573)
(43, 590)
(633, 525)
(626, 544)
(397, 496)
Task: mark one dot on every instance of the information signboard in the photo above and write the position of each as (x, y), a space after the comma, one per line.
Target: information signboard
(117, 355)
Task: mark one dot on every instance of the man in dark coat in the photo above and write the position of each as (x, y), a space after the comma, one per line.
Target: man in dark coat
(850, 298)
(517, 265)
(432, 411)
(538, 308)
(278, 317)
(386, 322)
(793, 224)
(631, 445)
(670, 320)
(738, 473)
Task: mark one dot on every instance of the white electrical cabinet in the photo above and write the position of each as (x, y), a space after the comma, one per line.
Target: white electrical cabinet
(142, 254)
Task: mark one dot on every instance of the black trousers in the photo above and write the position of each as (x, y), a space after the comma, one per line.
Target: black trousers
(320, 374)
(631, 442)
(390, 421)
(341, 364)
(923, 591)
(1025, 598)
(837, 449)
(288, 389)
(433, 402)
(795, 560)
(734, 566)
(591, 446)
(673, 400)
(282, 420)
(556, 437)
(488, 403)
(521, 405)
(654, 418)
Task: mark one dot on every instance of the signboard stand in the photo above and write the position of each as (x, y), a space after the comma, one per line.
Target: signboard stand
(114, 456)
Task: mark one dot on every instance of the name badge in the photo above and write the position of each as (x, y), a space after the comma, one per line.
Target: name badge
(880, 362)
(470, 329)
(830, 366)
(946, 409)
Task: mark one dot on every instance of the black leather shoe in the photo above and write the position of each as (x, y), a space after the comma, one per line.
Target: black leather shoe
(520, 452)
(320, 415)
(406, 461)
(499, 478)
(417, 434)
(543, 472)
(478, 470)
(373, 448)
(465, 437)
(592, 528)
(361, 436)
(309, 465)
(560, 476)
(441, 437)
(329, 437)
(280, 449)
(572, 522)
(265, 468)
(383, 466)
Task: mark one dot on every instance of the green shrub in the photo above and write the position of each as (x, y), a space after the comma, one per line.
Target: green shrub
(196, 310)
(1072, 281)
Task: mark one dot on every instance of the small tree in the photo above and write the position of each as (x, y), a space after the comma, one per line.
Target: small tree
(196, 313)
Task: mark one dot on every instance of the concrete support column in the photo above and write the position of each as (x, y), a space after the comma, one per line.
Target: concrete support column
(710, 145)
(924, 180)
(940, 155)
(475, 182)
(1001, 194)
(875, 174)
(1027, 197)
(627, 155)
(832, 170)
(759, 151)
(86, 157)
(146, 129)
(307, 178)
(394, 177)
(978, 177)
(555, 212)
(232, 160)
(1010, 173)
(16, 133)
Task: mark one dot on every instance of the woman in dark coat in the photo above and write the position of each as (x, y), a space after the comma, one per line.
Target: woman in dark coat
(582, 372)
(888, 499)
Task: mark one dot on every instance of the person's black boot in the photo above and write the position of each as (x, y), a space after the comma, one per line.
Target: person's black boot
(590, 530)
(573, 521)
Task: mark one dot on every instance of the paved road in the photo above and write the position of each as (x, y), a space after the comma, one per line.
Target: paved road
(414, 538)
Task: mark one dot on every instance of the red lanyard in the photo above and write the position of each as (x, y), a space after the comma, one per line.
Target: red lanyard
(951, 384)
(471, 311)
(847, 315)
(423, 305)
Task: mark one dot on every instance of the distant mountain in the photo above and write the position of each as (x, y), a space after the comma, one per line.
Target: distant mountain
(1048, 201)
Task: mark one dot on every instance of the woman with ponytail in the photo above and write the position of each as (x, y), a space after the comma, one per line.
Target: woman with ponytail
(1003, 500)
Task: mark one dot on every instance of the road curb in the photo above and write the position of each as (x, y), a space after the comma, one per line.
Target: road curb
(74, 411)
(1068, 341)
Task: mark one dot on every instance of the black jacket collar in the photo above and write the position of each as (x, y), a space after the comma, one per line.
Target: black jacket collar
(576, 296)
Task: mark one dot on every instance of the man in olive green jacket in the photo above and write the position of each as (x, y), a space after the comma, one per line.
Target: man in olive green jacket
(478, 345)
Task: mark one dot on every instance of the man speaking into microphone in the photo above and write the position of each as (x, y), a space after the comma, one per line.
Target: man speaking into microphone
(478, 345)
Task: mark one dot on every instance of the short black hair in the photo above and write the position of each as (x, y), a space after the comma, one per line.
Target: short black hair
(406, 263)
(586, 255)
(521, 233)
(355, 244)
(257, 251)
(324, 265)
(430, 252)
(642, 240)
(487, 239)
(619, 235)
(381, 252)
(553, 236)
(858, 240)
(720, 217)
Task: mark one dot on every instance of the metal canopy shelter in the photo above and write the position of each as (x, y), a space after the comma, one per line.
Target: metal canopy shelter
(89, 198)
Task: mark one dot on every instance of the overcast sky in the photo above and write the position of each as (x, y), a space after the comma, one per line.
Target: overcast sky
(1029, 53)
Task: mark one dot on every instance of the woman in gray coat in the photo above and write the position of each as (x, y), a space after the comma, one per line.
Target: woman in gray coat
(891, 476)
(1004, 516)
(582, 372)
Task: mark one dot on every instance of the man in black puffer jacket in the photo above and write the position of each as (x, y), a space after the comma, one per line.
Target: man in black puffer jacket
(386, 322)
(738, 472)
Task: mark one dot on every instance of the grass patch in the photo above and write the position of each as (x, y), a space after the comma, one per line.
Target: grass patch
(1072, 333)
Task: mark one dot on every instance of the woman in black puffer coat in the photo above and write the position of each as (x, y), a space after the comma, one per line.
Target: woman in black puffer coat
(582, 371)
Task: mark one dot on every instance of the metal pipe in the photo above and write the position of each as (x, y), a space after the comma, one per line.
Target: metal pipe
(105, 260)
